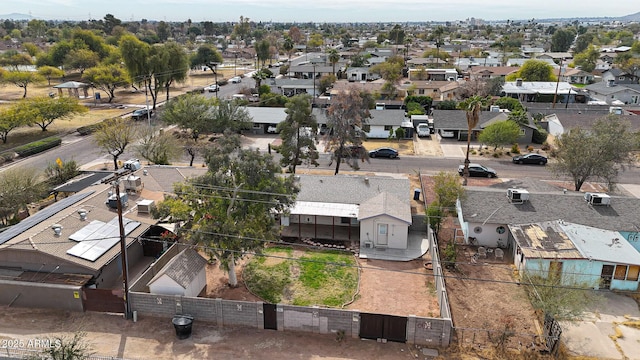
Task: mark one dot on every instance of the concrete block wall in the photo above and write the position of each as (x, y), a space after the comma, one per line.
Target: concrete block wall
(422, 331)
(428, 331)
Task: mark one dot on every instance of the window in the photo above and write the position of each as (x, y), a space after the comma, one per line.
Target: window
(621, 272)
(257, 126)
(388, 127)
(345, 220)
(522, 132)
(421, 91)
(632, 274)
(501, 229)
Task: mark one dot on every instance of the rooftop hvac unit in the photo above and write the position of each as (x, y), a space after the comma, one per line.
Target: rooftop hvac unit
(517, 195)
(597, 198)
(144, 206)
(133, 183)
(112, 201)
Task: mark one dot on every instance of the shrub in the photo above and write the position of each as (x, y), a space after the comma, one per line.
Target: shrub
(495, 155)
(515, 149)
(38, 146)
(90, 129)
(545, 146)
(530, 148)
(7, 156)
(539, 136)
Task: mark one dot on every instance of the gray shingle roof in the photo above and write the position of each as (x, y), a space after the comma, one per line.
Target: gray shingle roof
(457, 119)
(385, 204)
(350, 189)
(183, 268)
(602, 88)
(492, 206)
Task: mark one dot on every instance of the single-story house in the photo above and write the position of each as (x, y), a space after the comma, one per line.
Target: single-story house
(579, 254)
(437, 90)
(575, 76)
(614, 94)
(483, 72)
(184, 275)
(540, 91)
(486, 213)
(519, 62)
(433, 74)
(373, 212)
(379, 125)
(292, 86)
(618, 76)
(453, 124)
(356, 74)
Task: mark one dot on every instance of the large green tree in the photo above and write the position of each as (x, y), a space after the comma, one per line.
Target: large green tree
(297, 132)
(176, 64)
(22, 79)
(50, 72)
(534, 70)
(500, 133)
(587, 59)
(205, 56)
(44, 110)
(231, 207)
(598, 153)
(562, 39)
(347, 117)
(81, 59)
(18, 187)
(391, 72)
(107, 78)
(158, 146)
(190, 112)
(12, 118)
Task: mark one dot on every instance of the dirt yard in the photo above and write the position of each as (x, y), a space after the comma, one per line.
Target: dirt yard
(484, 295)
(386, 287)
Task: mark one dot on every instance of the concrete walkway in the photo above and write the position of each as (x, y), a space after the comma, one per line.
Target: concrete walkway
(592, 336)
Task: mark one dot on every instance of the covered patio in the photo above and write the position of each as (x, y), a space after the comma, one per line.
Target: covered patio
(322, 221)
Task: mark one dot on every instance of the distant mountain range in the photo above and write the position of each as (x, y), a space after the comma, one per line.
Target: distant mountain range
(627, 18)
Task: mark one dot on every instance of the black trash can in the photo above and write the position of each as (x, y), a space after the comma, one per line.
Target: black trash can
(183, 324)
(416, 194)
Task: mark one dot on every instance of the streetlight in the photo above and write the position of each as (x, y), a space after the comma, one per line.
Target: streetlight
(235, 63)
(215, 73)
(146, 100)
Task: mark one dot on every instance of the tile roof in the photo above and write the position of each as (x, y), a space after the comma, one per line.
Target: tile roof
(491, 205)
(182, 268)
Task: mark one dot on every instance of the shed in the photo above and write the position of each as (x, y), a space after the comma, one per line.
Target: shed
(184, 275)
(72, 88)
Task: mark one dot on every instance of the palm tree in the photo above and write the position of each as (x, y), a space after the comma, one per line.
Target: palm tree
(472, 106)
(334, 57)
(437, 34)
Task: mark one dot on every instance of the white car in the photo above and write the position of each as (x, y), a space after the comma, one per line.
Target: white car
(272, 129)
(235, 80)
(212, 88)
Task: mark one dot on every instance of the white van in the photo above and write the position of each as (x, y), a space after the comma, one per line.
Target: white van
(447, 134)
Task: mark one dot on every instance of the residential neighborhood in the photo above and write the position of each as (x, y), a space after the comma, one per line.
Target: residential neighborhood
(356, 190)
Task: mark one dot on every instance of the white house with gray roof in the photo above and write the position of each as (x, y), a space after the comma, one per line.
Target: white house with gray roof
(185, 275)
(370, 212)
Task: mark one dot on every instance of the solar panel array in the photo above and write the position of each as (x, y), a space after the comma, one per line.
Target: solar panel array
(40, 216)
(98, 237)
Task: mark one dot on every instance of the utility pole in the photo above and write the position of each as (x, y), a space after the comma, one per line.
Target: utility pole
(123, 253)
(555, 96)
(146, 101)
(215, 73)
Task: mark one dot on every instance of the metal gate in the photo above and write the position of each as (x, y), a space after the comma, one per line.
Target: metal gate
(270, 316)
(552, 332)
(388, 327)
(103, 300)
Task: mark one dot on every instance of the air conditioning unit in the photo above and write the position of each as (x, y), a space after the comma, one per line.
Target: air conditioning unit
(597, 198)
(144, 206)
(517, 195)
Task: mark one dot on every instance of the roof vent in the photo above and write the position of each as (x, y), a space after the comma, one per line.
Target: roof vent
(597, 199)
(518, 82)
(57, 229)
(83, 214)
(366, 180)
(517, 196)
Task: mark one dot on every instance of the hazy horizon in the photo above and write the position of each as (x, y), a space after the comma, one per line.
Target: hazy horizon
(313, 11)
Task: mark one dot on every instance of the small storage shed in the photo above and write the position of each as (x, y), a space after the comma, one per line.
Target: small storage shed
(184, 275)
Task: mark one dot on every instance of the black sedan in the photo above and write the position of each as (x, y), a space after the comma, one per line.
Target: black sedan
(478, 170)
(141, 114)
(530, 159)
(384, 152)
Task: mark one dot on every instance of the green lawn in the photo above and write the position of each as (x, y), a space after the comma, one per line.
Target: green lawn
(325, 278)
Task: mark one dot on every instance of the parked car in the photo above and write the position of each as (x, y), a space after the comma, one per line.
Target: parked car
(530, 159)
(384, 152)
(478, 170)
(141, 114)
(235, 80)
(423, 130)
(272, 129)
(446, 134)
(212, 88)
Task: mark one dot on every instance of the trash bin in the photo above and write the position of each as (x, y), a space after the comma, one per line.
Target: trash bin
(416, 194)
(97, 96)
(183, 324)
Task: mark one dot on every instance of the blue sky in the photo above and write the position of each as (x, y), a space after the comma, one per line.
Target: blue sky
(316, 10)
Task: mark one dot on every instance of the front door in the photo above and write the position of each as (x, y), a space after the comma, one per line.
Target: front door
(270, 316)
(605, 276)
(383, 234)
